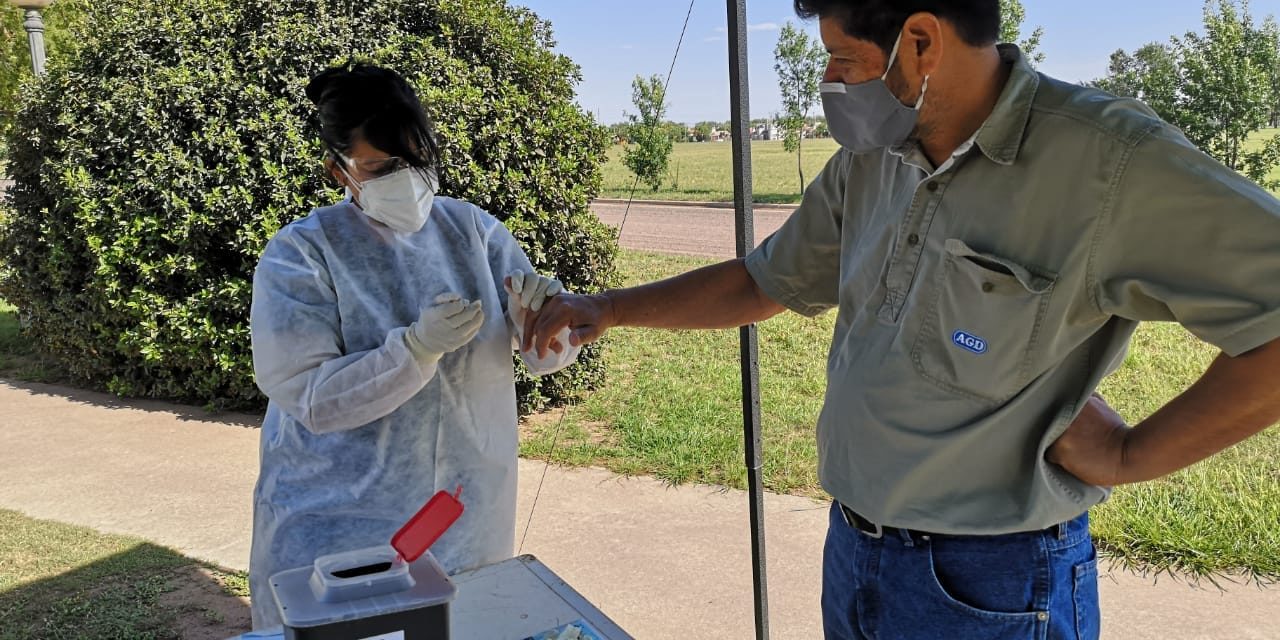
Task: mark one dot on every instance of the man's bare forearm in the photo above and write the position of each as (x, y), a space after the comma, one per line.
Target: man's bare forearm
(719, 296)
(1234, 399)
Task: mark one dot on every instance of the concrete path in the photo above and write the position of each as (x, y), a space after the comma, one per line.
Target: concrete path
(655, 558)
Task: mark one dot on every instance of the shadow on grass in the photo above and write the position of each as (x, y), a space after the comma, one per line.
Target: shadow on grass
(18, 357)
(145, 592)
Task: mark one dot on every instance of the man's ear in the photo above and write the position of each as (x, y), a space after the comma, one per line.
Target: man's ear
(922, 48)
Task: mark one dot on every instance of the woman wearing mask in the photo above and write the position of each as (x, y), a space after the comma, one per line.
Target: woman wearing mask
(383, 328)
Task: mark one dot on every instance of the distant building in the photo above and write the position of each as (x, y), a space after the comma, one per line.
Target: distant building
(768, 130)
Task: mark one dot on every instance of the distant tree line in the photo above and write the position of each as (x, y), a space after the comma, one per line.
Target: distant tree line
(1221, 87)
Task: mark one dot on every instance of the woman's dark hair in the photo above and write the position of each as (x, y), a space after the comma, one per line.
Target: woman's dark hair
(376, 104)
(880, 21)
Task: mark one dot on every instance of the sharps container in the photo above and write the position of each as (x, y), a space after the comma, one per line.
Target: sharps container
(388, 592)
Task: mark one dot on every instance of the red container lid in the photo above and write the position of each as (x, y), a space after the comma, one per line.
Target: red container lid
(427, 525)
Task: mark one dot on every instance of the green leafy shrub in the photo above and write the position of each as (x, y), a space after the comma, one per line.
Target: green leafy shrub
(156, 159)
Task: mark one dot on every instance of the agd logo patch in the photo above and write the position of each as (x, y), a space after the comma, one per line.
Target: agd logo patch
(969, 342)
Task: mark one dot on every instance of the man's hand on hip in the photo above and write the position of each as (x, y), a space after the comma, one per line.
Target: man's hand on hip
(1093, 448)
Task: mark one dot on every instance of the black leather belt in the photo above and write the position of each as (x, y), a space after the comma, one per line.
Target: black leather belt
(874, 530)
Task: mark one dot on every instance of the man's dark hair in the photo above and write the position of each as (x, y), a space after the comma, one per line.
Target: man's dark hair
(880, 21)
(376, 104)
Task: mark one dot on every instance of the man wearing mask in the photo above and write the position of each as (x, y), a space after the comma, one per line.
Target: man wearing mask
(991, 237)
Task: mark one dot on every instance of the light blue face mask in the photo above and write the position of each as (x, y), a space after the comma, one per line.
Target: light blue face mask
(867, 116)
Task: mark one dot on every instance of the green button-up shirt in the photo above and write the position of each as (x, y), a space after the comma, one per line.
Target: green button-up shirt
(982, 303)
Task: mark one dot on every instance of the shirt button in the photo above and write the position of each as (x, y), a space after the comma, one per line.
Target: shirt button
(913, 239)
(987, 287)
(932, 186)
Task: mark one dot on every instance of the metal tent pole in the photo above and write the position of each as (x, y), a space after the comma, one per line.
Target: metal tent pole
(740, 109)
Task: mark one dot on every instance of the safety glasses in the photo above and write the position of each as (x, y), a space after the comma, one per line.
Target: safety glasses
(372, 168)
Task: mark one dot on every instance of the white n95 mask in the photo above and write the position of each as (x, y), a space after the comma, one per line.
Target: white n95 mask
(400, 200)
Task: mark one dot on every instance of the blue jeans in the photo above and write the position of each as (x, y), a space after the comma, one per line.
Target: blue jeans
(1041, 585)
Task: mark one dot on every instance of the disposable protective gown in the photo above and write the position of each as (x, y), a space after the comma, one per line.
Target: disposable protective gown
(358, 433)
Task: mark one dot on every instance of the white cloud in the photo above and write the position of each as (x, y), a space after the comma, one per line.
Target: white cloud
(628, 46)
(763, 26)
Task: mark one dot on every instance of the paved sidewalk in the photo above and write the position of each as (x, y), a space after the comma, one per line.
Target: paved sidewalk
(655, 558)
(693, 229)
(697, 204)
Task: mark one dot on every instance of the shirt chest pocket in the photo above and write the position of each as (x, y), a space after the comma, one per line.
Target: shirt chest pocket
(979, 334)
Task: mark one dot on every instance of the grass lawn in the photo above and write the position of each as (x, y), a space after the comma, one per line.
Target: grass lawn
(703, 171)
(58, 581)
(671, 408)
(1256, 141)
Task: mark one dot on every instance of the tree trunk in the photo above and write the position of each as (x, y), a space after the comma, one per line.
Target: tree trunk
(800, 158)
(800, 141)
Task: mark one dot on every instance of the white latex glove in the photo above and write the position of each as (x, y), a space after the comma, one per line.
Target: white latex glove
(445, 327)
(530, 290)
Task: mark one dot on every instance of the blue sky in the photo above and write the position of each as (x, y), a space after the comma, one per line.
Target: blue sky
(614, 40)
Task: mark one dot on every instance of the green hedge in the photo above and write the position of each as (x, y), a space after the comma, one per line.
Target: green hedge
(162, 151)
